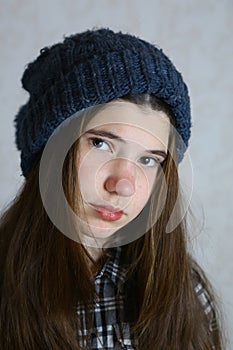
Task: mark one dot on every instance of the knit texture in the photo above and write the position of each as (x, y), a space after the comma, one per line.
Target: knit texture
(88, 69)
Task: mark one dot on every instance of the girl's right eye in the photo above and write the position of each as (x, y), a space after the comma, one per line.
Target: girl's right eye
(99, 143)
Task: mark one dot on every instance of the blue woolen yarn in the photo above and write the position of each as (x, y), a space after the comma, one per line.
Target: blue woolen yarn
(88, 69)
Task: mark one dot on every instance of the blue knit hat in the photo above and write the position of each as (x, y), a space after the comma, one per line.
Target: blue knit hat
(88, 69)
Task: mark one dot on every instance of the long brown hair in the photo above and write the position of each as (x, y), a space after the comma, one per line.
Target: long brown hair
(44, 275)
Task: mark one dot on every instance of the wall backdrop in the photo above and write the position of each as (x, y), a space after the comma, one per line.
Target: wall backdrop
(197, 36)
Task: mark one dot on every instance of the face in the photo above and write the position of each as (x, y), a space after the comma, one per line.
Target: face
(120, 153)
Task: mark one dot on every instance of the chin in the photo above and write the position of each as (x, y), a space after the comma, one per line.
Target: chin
(103, 232)
(100, 230)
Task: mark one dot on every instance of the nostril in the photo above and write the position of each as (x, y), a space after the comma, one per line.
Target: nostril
(124, 188)
(110, 185)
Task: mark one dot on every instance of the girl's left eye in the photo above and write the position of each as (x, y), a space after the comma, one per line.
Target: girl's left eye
(99, 143)
(149, 161)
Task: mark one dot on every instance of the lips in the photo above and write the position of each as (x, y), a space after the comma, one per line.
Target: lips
(108, 213)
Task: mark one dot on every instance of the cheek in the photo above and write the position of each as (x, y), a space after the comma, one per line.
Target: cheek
(86, 174)
(90, 175)
(142, 195)
(144, 188)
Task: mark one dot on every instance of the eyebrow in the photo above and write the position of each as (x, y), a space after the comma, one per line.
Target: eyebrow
(113, 136)
(104, 133)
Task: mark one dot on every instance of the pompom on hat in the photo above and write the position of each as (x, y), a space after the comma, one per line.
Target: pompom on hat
(92, 68)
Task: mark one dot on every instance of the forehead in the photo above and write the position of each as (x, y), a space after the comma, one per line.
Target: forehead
(128, 118)
(132, 121)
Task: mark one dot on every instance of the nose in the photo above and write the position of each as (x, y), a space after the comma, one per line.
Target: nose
(122, 178)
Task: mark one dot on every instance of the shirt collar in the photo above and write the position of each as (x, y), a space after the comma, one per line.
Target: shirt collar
(112, 268)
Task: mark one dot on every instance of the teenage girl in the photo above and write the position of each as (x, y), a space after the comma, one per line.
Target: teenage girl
(87, 258)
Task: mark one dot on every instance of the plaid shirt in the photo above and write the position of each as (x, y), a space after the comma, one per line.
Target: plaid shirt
(108, 308)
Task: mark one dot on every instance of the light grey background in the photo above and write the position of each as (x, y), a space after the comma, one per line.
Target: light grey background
(197, 36)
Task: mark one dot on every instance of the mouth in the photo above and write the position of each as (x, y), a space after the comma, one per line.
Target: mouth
(108, 213)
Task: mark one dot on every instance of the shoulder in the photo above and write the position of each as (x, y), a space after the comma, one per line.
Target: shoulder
(207, 301)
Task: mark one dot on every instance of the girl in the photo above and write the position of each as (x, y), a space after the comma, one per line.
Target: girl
(86, 259)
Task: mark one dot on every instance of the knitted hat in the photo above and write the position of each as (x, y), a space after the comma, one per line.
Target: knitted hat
(88, 69)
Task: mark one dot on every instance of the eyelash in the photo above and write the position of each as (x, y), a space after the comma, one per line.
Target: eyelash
(92, 140)
(156, 161)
